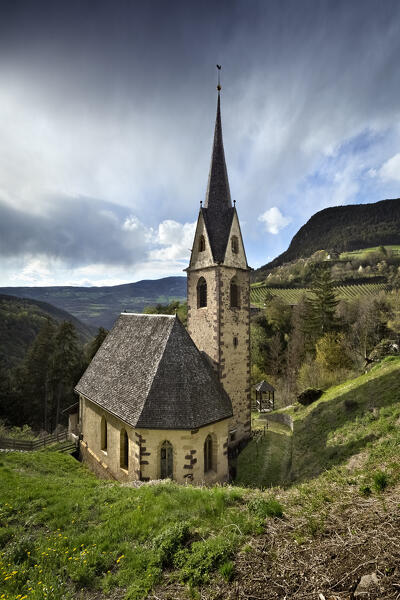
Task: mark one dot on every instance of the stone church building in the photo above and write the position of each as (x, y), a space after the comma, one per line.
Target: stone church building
(158, 401)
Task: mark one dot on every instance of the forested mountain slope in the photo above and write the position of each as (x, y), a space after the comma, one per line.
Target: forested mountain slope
(344, 228)
(20, 322)
(100, 306)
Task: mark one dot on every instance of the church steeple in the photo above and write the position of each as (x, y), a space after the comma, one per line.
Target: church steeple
(218, 196)
(218, 211)
(219, 290)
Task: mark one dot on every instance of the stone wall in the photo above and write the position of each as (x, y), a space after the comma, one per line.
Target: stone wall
(223, 333)
(282, 418)
(144, 449)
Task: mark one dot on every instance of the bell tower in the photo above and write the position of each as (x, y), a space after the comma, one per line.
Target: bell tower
(218, 285)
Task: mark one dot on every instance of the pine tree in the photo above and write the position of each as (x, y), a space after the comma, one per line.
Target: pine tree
(34, 377)
(96, 343)
(66, 369)
(321, 306)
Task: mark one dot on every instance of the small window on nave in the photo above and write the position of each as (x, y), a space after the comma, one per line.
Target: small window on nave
(208, 454)
(201, 293)
(103, 434)
(235, 294)
(124, 450)
(235, 244)
(202, 243)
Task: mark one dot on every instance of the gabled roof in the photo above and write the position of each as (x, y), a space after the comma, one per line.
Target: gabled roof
(218, 211)
(264, 386)
(149, 373)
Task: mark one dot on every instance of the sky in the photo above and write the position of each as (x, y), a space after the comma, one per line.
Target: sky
(107, 117)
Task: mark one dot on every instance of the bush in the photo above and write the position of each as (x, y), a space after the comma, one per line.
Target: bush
(309, 396)
(227, 570)
(266, 507)
(365, 490)
(169, 542)
(203, 558)
(381, 481)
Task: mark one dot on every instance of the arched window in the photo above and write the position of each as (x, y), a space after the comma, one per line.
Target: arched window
(201, 293)
(124, 450)
(208, 454)
(234, 244)
(166, 460)
(103, 434)
(235, 294)
(202, 244)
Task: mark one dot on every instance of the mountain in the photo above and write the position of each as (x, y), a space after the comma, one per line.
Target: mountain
(344, 228)
(100, 306)
(20, 322)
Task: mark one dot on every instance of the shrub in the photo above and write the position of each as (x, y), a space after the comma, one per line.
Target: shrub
(203, 558)
(309, 396)
(381, 481)
(365, 490)
(266, 507)
(227, 570)
(169, 542)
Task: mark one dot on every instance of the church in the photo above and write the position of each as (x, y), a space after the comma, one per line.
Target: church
(159, 401)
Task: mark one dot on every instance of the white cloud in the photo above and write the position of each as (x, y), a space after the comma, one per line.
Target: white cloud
(176, 239)
(274, 220)
(390, 170)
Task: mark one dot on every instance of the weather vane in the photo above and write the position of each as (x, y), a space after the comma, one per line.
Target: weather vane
(219, 82)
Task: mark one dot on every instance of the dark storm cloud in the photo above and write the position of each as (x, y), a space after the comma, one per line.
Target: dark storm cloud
(79, 231)
(116, 100)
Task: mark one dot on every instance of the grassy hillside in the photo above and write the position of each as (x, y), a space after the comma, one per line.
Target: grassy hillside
(64, 534)
(357, 420)
(100, 306)
(345, 228)
(20, 321)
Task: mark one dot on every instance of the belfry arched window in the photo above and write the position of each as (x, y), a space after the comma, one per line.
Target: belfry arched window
(103, 434)
(202, 243)
(124, 450)
(208, 454)
(201, 293)
(234, 244)
(235, 293)
(166, 460)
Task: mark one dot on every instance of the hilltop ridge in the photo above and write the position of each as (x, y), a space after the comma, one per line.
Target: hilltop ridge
(344, 228)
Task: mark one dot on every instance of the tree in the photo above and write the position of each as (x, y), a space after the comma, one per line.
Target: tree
(321, 306)
(96, 343)
(331, 352)
(36, 368)
(66, 369)
(174, 307)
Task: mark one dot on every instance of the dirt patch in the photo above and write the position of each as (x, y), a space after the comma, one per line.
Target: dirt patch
(357, 461)
(360, 540)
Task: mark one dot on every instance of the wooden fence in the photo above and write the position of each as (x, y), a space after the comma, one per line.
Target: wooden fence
(10, 444)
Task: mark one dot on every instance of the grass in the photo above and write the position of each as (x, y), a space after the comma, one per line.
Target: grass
(62, 530)
(259, 293)
(65, 534)
(359, 418)
(361, 254)
(265, 461)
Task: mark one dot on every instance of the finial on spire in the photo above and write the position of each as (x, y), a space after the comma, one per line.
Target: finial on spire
(234, 203)
(201, 203)
(219, 82)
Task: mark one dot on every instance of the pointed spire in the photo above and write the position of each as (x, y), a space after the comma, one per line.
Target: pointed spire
(218, 197)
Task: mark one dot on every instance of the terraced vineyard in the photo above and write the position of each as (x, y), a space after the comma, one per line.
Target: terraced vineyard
(260, 293)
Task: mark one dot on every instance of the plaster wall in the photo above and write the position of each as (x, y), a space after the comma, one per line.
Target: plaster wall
(145, 448)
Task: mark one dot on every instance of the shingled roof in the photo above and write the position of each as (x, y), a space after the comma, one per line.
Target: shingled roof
(149, 373)
(218, 211)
